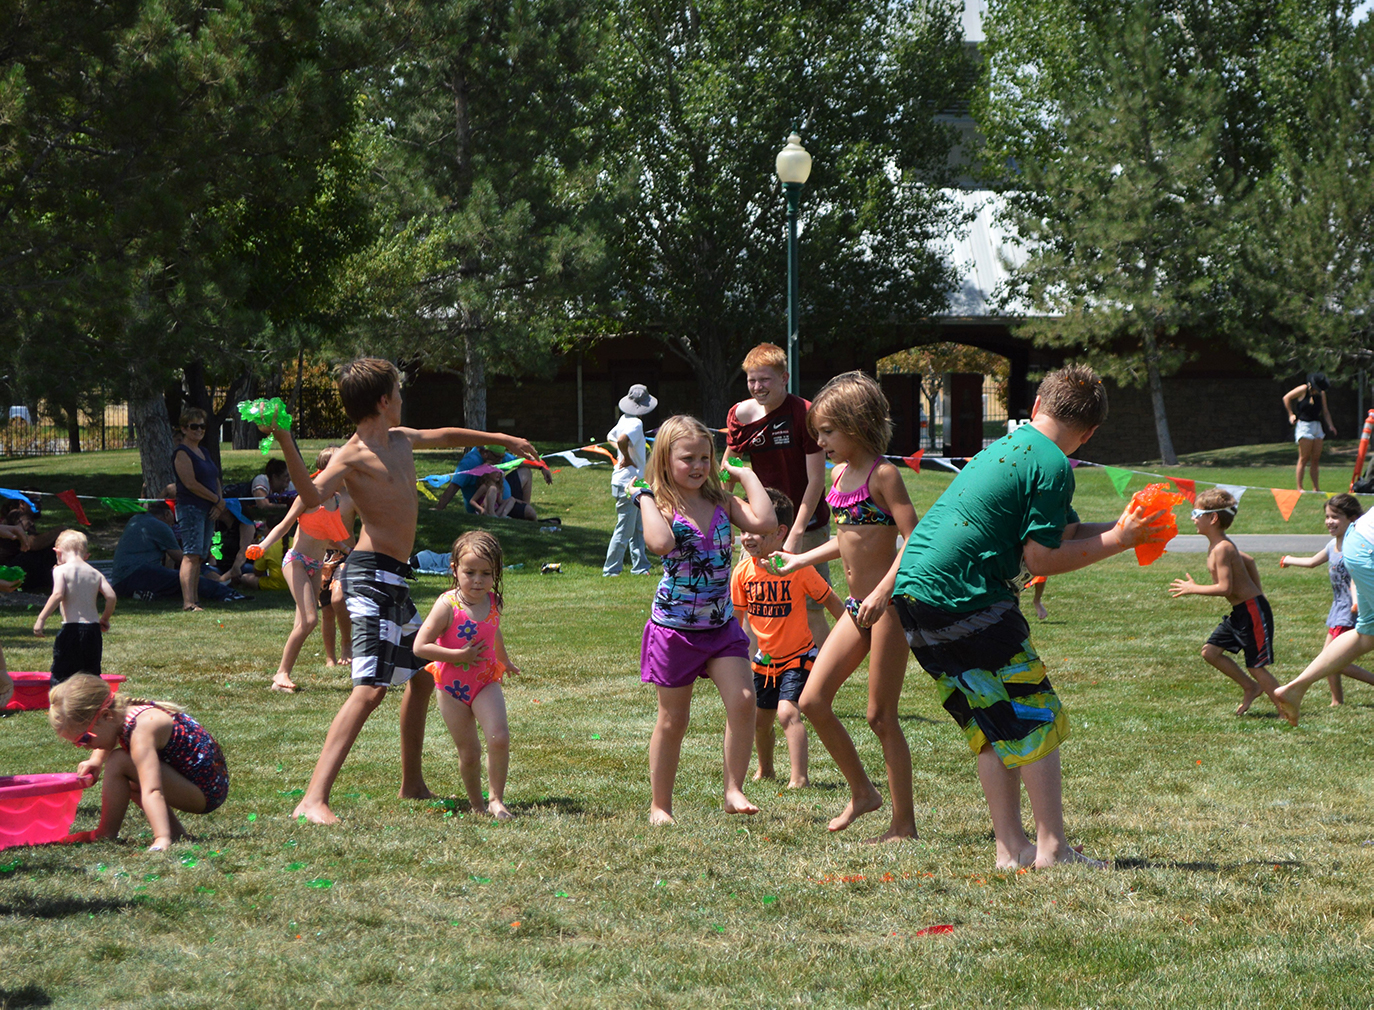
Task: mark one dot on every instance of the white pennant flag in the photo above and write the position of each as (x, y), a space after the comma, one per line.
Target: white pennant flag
(570, 455)
(1234, 490)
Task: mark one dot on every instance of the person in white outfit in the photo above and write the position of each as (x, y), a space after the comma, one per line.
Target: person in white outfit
(631, 453)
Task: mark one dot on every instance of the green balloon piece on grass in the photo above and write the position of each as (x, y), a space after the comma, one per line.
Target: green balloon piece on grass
(319, 883)
(293, 867)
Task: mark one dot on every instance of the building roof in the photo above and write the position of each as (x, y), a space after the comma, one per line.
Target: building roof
(983, 255)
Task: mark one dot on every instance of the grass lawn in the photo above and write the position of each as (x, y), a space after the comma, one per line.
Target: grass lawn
(1244, 849)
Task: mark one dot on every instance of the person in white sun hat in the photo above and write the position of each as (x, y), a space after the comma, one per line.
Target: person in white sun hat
(631, 452)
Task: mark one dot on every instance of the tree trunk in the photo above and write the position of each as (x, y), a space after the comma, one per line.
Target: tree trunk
(1166, 444)
(246, 436)
(73, 426)
(714, 372)
(153, 430)
(474, 384)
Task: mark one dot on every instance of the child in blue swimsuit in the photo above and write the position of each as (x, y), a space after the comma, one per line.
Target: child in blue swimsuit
(151, 752)
(692, 631)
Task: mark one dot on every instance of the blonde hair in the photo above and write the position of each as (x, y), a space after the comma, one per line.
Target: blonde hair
(75, 702)
(765, 356)
(855, 405)
(486, 547)
(658, 471)
(72, 540)
(325, 455)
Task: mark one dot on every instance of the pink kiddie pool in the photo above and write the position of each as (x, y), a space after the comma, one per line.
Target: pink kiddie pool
(35, 809)
(31, 689)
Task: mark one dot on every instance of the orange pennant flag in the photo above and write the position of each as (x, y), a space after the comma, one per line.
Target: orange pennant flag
(1188, 487)
(597, 448)
(914, 461)
(1286, 501)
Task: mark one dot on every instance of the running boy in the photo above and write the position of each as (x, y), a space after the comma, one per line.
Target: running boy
(771, 610)
(76, 588)
(771, 428)
(377, 467)
(1249, 627)
(1009, 510)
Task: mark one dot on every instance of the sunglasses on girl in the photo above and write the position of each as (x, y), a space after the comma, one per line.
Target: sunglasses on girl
(87, 738)
(1199, 513)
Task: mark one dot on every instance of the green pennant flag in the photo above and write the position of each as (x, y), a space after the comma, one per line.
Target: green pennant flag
(122, 506)
(1119, 478)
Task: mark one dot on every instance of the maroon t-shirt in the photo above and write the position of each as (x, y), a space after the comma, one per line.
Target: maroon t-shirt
(778, 444)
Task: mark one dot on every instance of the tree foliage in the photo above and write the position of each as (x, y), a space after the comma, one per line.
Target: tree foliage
(698, 98)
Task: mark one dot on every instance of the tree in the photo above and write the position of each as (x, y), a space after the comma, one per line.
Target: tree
(698, 97)
(1126, 139)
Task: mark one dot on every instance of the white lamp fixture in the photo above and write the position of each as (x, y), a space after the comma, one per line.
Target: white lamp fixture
(794, 164)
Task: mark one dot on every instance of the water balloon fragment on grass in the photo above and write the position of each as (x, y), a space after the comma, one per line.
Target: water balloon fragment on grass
(560, 894)
(940, 930)
(188, 860)
(319, 883)
(769, 899)
(252, 818)
(291, 792)
(10, 867)
(205, 890)
(596, 736)
(295, 866)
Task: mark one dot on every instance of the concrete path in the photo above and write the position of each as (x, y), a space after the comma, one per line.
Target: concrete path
(1255, 543)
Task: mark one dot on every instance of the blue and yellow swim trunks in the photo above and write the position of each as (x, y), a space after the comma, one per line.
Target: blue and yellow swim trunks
(989, 676)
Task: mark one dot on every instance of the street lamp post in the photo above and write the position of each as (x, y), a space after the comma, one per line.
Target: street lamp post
(794, 166)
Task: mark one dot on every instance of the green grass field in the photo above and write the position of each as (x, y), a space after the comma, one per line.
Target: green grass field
(1244, 849)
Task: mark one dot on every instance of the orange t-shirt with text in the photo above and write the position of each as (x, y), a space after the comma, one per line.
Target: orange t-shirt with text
(776, 605)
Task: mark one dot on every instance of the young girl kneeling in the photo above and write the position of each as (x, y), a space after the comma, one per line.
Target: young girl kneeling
(151, 752)
(462, 634)
(692, 631)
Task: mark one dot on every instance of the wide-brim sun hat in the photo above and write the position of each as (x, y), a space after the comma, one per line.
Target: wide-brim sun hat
(637, 402)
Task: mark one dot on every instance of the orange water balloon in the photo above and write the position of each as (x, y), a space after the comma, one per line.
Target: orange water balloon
(1156, 498)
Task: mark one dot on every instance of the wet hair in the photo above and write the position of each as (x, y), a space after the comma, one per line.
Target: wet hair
(765, 356)
(72, 540)
(190, 416)
(782, 507)
(854, 404)
(1345, 505)
(1216, 498)
(362, 383)
(324, 456)
(76, 701)
(1075, 395)
(658, 471)
(486, 547)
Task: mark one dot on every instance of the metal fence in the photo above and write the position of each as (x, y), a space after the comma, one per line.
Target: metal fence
(29, 431)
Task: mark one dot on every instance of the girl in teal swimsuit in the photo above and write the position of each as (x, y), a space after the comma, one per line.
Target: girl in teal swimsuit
(849, 419)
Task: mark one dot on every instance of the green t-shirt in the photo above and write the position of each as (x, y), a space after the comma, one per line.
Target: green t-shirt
(968, 546)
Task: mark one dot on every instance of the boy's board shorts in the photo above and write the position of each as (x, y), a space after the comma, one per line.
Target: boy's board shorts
(1248, 628)
(384, 619)
(670, 657)
(990, 679)
(783, 684)
(76, 649)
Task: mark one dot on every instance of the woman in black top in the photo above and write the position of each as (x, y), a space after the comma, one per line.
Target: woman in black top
(1307, 410)
(199, 502)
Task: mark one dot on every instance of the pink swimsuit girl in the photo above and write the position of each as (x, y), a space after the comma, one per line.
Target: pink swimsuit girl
(465, 681)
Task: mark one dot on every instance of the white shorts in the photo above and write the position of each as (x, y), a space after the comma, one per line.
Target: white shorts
(1308, 429)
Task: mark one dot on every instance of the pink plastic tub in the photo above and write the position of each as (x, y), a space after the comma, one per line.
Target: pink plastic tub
(35, 809)
(31, 689)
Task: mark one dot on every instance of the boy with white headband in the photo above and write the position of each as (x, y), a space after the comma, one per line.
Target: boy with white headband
(1249, 627)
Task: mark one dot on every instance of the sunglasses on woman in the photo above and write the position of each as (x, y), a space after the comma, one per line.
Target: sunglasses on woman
(195, 427)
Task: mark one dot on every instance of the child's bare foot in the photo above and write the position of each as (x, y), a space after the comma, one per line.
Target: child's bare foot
(737, 803)
(892, 834)
(799, 783)
(1336, 702)
(283, 682)
(498, 810)
(659, 818)
(1248, 698)
(1041, 612)
(762, 774)
(1024, 858)
(330, 664)
(856, 808)
(315, 813)
(421, 792)
(1287, 709)
(1051, 856)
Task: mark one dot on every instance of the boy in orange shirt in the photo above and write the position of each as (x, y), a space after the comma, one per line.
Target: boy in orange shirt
(772, 610)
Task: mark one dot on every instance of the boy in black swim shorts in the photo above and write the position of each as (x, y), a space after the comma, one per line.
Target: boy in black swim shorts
(1008, 511)
(1249, 627)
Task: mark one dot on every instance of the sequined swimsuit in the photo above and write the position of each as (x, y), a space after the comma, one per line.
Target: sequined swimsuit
(190, 751)
(857, 508)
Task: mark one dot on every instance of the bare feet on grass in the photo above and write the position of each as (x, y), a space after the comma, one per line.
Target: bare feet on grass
(892, 834)
(737, 803)
(498, 810)
(315, 813)
(1067, 854)
(1288, 709)
(762, 774)
(418, 792)
(801, 783)
(282, 682)
(1019, 861)
(1040, 611)
(1248, 698)
(856, 808)
(660, 818)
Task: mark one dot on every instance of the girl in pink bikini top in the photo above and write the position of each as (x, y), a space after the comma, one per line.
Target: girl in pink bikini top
(857, 508)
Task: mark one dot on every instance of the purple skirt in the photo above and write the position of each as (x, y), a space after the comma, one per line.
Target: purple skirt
(671, 657)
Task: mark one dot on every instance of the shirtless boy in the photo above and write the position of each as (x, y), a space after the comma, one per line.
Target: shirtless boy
(377, 467)
(1249, 628)
(76, 588)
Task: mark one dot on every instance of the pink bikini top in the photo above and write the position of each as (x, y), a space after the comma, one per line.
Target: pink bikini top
(857, 508)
